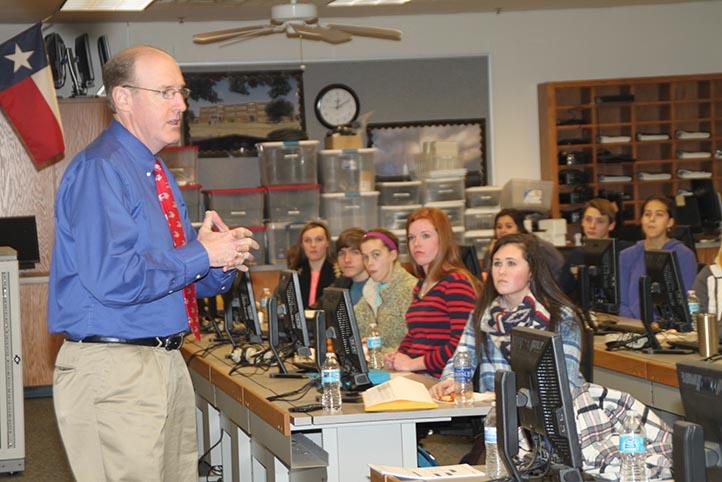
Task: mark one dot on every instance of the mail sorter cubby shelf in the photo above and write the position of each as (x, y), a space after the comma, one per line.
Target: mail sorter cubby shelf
(629, 138)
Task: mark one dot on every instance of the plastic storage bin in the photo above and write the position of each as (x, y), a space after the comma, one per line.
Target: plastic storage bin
(438, 156)
(182, 162)
(259, 234)
(347, 170)
(237, 207)
(403, 244)
(402, 193)
(480, 238)
(458, 234)
(394, 217)
(280, 237)
(483, 197)
(192, 198)
(479, 218)
(453, 209)
(288, 162)
(443, 189)
(292, 203)
(348, 210)
(527, 194)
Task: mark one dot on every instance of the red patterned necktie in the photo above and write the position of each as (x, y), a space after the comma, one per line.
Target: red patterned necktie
(175, 224)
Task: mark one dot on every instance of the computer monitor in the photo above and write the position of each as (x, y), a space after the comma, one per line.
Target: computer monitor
(709, 203)
(85, 60)
(470, 258)
(535, 395)
(286, 320)
(598, 283)
(684, 233)
(21, 234)
(342, 328)
(700, 387)
(55, 47)
(240, 309)
(103, 49)
(667, 290)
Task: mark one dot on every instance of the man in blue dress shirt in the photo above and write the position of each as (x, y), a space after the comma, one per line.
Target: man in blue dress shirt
(122, 392)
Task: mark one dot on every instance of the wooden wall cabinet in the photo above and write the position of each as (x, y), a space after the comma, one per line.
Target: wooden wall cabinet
(599, 121)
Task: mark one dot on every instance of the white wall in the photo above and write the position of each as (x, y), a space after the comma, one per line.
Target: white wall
(525, 48)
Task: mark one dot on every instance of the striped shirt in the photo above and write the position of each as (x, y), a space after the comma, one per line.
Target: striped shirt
(436, 320)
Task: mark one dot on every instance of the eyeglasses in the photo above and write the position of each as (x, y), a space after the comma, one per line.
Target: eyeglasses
(167, 94)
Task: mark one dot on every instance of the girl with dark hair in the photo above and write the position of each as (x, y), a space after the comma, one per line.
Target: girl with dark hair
(521, 293)
(657, 219)
(511, 221)
(313, 257)
(443, 298)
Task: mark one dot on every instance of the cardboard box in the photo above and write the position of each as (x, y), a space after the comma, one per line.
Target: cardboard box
(344, 141)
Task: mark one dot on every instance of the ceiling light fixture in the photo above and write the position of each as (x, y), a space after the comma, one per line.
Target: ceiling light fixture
(105, 5)
(365, 3)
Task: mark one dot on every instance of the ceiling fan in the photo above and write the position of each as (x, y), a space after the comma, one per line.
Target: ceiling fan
(298, 20)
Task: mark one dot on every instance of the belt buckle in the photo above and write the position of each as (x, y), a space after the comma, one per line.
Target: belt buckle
(172, 342)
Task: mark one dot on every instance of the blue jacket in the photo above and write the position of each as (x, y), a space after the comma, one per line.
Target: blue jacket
(631, 267)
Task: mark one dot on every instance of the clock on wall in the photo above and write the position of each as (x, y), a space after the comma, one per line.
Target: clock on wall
(336, 105)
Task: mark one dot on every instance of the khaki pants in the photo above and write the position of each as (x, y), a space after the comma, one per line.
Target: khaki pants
(125, 413)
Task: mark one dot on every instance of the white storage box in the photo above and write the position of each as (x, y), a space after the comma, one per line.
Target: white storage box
(182, 162)
(483, 197)
(480, 238)
(394, 217)
(347, 170)
(280, 237)
(237, 207)
(443, 189)
(453, 209)
(349, 210)
(403, 244)
(402, 193)
(259, 234)
(292, 203)
(458, 234)
(527, 195)
(479, 218)
(288, 162)
(192, 198)
(553, 226)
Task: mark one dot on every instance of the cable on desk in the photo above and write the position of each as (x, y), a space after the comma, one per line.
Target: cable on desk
(299, 393)
(203, 352)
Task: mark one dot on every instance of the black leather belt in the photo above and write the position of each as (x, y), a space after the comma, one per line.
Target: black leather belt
(171, 342)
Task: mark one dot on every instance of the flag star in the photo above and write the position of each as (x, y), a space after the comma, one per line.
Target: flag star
(20, 58)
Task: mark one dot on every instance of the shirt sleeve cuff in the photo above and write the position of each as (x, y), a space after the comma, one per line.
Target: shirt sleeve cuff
(195, 258)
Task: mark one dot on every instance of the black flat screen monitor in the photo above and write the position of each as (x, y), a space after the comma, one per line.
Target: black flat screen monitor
(103, 50)
(536, 395)
(85, 60)
(667, 290)
(342, 328)
(21, 234)
(602, 262)
(470, 258)
(240, 309)
(708, 201)
(290, 319)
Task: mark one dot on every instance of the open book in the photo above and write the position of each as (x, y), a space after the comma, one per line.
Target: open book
(399, 393)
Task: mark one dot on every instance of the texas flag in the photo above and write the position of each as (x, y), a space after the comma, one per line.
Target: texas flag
(27, 96)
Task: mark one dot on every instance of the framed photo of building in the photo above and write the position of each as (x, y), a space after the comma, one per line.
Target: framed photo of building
(400, 145)
(229, 112)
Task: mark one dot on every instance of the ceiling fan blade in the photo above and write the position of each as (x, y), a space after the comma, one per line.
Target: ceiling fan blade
(376, 32)
(253, 34)
(326, 34)
(219, 35)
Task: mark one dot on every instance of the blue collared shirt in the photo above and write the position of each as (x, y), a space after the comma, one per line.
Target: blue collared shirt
(114, 269)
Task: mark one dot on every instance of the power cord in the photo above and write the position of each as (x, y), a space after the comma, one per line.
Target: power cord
(208, 469)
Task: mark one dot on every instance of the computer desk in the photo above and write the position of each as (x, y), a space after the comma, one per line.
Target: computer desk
(262, 441)
(651, 379)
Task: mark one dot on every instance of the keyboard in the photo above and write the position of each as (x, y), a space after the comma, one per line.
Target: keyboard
(620, 327)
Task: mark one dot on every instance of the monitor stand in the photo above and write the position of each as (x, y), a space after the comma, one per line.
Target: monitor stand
(647, 314)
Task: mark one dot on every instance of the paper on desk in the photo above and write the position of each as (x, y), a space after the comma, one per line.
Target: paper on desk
(445, 472)
(399, 393)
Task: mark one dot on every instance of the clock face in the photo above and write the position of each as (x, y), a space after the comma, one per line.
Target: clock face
(336, 105)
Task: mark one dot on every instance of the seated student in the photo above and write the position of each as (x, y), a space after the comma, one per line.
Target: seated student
(443, 298)
(598, 221)
(350, 263)
(389, 291)
(708, 287)
(511, 221)
(312, 256)
(657, 218)
(521, 292)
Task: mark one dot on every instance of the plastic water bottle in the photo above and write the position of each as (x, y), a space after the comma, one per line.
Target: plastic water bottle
(373, 340)
(693, 307)
(330, 381)
(263, 314)
(495, 468)
(463, 388)
(632, 450)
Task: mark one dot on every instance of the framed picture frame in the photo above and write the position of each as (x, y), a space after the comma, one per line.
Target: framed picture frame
(229, 112)
(400, 144)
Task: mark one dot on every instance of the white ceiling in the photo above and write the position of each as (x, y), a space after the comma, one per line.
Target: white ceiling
(29, 11)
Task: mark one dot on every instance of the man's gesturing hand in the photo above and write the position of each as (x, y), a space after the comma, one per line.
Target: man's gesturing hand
(227, 248)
